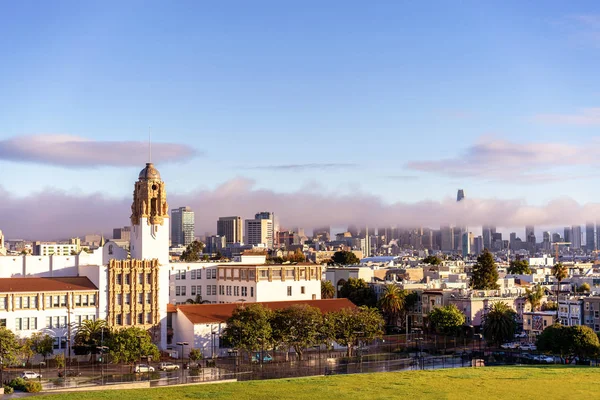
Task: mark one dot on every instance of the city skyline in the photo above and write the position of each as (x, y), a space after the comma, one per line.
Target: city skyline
(498, 99)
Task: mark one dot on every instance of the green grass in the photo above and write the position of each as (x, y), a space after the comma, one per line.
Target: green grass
(459, 383)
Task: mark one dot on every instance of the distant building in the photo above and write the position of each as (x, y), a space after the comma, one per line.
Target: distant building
(576, 237)
(460, 195)
(231, 228)
(182, 226)
(2, 248)
(274, 225)
(215, 243)
(259, 231)
(590, 236)
(447, 238)
(122, 233)
(487, 237)
(568, 234)
(58, 249)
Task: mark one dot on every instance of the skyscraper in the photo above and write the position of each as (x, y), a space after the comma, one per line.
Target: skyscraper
(487, 237)
(259, 231)
(590, 236)
(274, 225)
(568, 234)
(182, 226)
(460, 195)
(231, 228)
(447, 238)
(576, 237)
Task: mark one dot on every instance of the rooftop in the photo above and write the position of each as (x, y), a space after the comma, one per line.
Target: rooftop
(8, 285)
(219, 313)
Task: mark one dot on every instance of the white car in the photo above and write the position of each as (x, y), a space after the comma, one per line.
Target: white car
(30, 375)
(527, 346)
(168, 366)
(521, 335)
(143, 368)
(510, 345)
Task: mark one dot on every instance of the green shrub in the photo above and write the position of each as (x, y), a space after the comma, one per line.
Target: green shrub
(33, 387)
(18, 384)
(8, 389)
(194, 372)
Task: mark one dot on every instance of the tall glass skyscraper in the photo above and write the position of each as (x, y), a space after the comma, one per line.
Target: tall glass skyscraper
(182, 226)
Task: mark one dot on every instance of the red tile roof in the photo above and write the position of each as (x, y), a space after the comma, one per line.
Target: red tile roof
(219, 313)
(8, 285)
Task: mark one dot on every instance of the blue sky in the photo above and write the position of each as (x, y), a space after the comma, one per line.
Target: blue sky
(349, 96)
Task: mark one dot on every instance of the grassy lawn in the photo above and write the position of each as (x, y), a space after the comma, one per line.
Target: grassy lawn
(459, 383)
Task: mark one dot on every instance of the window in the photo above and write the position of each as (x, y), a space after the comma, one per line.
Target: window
(221, 290)
(199, 274)
(127, 278)
(56, 343)
(289, 290)
(18, 324)
(119, 278)
(177, 290)
(93, 300)
(596, 314)
(251, 275)
(193, 290)
(243, 274)
(214, 290)
(303, 290)
(140, 318)
(213, 274)
(148, 278)
(55, 301)
(290, 273)
(148, 318)
(119, 319)
(3, 322)
(128, 319)
(119, 299)
(236, 290)
(199, 290)
(244, 291)
(127, 298)
(3, 303)
(228, 290)
(64, 322)
(182, 272)
(251, 291)
(140, 298)
(193, 274)
(276, 273)
(264, 273)
(78, 300)
(141, 278)
(25, 302)
(17, 302)
(148, 298)
(183, 290)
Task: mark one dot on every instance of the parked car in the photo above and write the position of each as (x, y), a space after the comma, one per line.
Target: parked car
(168, 366)
(528, 346)
(143, 368)
(266, 358)
(521, 335)
(70, 373)
(510, 345)
(30, 375)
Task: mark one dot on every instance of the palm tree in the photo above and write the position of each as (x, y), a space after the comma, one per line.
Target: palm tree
(500, 323)
(534, 297)
(197, 300)
(90, 335)
(327, 290)
(391, 303)
(560, 272)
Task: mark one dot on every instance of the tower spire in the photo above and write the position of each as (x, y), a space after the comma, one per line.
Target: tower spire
(149, 146)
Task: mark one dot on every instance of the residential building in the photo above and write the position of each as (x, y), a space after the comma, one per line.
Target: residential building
(591, 312)
(182, 226)
(231, 228)
(570, 311)
(59, 249)
(534, 322)
(259, 231)
(202, 325)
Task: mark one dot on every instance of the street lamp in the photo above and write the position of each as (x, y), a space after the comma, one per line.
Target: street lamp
(102, 350)
(213, 333)
(182, 344)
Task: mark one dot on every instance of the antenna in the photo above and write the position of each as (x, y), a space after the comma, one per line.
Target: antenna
(149, 146)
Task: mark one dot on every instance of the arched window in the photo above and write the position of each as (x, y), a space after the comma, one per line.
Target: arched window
(110, 249)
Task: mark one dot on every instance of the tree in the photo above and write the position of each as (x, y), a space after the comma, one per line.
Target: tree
(131, 344)
(446, 319)
(59, 361)
(500, 323)
(485, 273)
(433, 260)
(519, 267)
(344, 258)
(560, 272)
(392, 303)
(249, 328)
(25, 350)
(297, 327)
(358, 292)
(549, 306)
(42, 344)
(195, 355)
(584, 288)
(9, 347)
(580, 341)
(351, 326)
(89, 336)
(296, 257)
(193, 252)
(327, 290)
(197, 300)
(534, 297)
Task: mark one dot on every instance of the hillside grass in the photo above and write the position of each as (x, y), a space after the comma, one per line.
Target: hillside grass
(522, 382)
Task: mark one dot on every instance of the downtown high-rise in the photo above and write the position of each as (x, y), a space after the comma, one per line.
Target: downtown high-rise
(182, 226)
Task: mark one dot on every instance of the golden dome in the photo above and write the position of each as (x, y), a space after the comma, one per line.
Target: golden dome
(149, 173)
